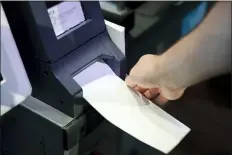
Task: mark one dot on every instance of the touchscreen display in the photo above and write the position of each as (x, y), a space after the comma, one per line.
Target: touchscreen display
(65, 15)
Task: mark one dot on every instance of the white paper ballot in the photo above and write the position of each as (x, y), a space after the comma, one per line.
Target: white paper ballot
(131, 112)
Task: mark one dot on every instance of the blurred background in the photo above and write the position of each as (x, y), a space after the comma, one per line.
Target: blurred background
(153, 26)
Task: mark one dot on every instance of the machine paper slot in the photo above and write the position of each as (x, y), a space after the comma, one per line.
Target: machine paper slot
(129, 110)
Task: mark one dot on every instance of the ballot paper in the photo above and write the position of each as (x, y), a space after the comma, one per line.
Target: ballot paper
(129, 110)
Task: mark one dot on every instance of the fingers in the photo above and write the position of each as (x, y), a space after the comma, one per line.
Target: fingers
(130, 82)
(154, 95)
(141, 89)
(151, 93)
(133, 81)
(160, 100)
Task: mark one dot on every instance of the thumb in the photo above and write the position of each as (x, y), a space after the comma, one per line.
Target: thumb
(133, 81)
(172, 94)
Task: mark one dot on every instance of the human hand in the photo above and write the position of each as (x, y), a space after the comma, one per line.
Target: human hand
(154, 80)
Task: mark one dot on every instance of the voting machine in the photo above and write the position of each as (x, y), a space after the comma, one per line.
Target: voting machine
(57, 41)
(56, 120)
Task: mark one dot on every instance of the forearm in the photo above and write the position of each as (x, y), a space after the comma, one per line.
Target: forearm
(204, 53)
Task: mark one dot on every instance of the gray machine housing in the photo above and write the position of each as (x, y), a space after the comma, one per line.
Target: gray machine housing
(35, 128)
